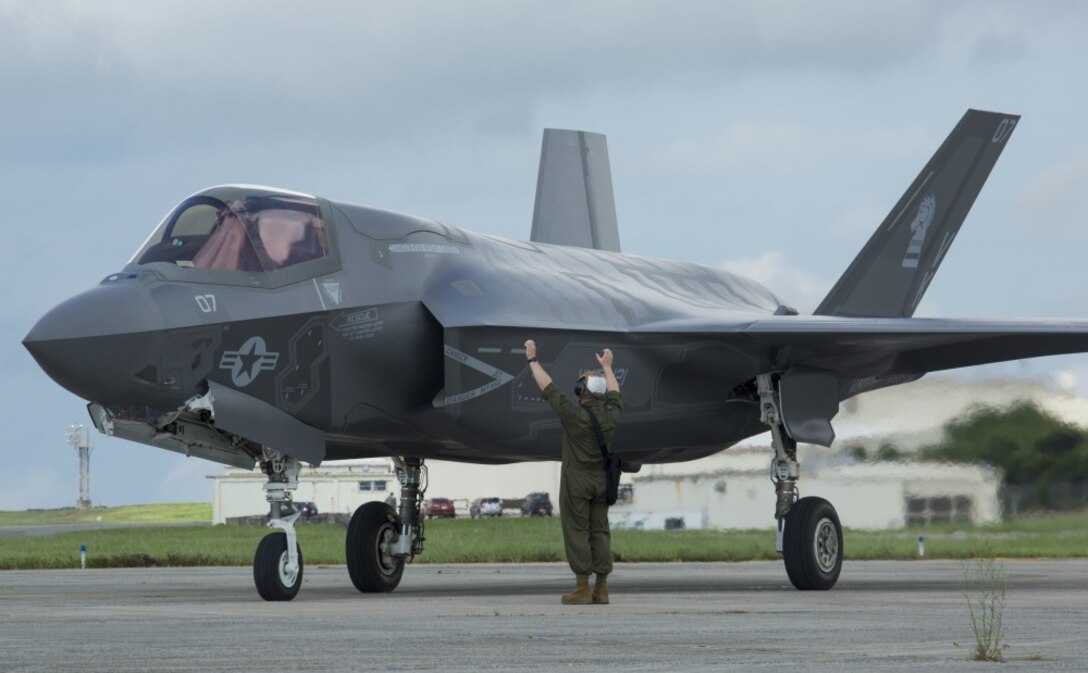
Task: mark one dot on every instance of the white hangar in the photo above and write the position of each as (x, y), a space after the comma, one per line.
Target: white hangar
(735, 491)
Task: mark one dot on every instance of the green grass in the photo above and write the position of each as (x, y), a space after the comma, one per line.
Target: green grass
(1050, 536)
(515, 540)
(161, 513)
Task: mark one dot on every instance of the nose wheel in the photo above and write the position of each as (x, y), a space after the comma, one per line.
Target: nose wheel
(276, 578)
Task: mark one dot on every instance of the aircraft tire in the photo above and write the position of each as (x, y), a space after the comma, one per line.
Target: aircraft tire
(812, 545)
(269, 574)
(373, 526)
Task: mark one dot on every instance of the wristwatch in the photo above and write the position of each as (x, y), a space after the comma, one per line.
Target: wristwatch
(532, 359)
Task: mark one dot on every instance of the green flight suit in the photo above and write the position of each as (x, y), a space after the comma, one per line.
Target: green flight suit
(582, 505)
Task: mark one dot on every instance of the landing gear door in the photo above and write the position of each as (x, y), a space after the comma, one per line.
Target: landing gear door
(810, 399)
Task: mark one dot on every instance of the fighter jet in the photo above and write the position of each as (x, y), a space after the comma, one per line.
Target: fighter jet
(258, 327)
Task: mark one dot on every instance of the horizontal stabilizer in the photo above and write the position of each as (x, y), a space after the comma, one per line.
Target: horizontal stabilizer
(889, 276)
(574, 202)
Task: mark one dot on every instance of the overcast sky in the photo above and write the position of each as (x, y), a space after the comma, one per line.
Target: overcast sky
(767, 138)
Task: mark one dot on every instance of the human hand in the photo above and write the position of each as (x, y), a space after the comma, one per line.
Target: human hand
(605, 358)
(530, 349)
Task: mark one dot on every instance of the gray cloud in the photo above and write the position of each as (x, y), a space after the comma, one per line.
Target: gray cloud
(108, 80)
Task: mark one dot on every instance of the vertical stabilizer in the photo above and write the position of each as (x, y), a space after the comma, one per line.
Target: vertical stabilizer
(574, 202)
(891, 273)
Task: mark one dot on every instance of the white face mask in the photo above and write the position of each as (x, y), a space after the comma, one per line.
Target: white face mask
(596, 385)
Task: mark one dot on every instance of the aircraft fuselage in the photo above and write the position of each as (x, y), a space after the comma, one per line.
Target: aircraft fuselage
(379, 343)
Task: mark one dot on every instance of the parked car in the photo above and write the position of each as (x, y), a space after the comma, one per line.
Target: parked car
(537, 504)
(482, 507)
(306, 509)
(441, 508)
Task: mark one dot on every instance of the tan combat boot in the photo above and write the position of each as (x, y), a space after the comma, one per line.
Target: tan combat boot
(580, 595)
(600, 590)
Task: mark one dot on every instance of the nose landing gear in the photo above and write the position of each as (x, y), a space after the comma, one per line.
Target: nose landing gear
(277, 565)
(276, 577)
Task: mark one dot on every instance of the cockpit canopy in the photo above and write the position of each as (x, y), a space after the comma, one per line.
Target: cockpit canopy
(234, 228)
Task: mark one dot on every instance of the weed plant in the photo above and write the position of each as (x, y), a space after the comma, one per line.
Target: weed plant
(984, 586)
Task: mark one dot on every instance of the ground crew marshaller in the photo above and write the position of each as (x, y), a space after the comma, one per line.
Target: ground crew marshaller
(582, 505)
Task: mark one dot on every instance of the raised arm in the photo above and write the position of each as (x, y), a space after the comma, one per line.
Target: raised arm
(539, 375)
(605, 359)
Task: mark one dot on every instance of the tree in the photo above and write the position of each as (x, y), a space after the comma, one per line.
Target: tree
(1028, 444)
(889, 451)
(857, 452)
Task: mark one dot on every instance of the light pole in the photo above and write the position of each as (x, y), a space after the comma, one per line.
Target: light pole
(79, 438)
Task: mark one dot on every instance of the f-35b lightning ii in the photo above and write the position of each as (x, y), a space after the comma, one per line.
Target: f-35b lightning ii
(262, 327)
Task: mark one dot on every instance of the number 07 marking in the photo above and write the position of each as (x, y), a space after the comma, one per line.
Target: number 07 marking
(1003, 130)
(206, 302)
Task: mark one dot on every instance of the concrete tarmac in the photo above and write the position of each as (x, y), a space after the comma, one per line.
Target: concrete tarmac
(883, 616)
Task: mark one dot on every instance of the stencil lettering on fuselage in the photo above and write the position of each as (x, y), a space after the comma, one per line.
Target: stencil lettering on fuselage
(358, 325)
(498, 377)
(426, 248)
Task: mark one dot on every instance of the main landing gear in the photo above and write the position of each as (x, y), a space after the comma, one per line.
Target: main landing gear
(380, 539)
(809, 533)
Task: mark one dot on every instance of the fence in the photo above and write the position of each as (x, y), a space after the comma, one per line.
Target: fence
(1017, 499)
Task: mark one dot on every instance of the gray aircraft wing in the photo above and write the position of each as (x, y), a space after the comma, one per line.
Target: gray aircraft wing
(891, 273)
(574, 201)
(824, 360)
(907, 346)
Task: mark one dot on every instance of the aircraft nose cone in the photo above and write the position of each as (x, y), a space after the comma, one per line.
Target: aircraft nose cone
(100, 343)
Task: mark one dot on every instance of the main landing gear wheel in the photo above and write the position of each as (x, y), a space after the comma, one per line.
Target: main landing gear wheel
(371, 534)
(270, 569)
(812, 544)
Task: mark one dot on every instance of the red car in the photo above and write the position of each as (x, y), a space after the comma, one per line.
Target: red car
(438, 507)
